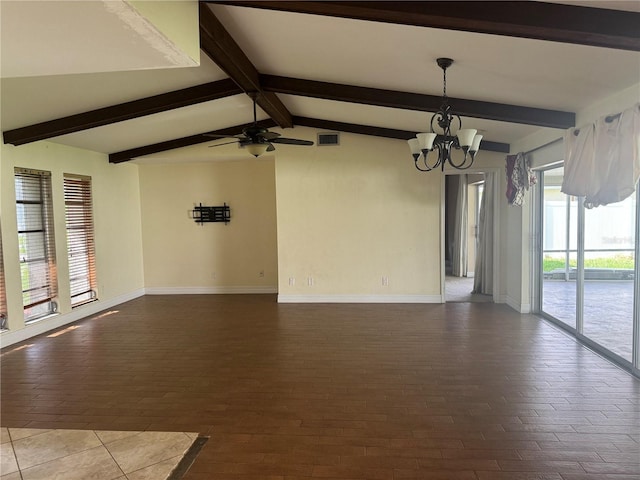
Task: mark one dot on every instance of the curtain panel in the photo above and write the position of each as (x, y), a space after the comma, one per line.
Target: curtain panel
(483, 274)
(602, 160)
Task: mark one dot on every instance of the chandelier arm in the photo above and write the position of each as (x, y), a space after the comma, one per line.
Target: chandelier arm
(464, 167)
(463, 164)
(422, 169)
(425, 162)
(439, 117)
(419, 161)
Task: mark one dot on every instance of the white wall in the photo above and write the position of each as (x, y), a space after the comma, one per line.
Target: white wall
(118, 236)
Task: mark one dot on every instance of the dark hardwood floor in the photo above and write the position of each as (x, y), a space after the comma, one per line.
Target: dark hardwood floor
(453, 391)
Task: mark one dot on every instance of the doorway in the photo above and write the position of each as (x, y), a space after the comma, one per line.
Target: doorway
(463, 194)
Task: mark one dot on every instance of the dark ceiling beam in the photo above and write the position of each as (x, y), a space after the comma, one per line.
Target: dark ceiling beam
(414, 101)
(126, 155)
(596, 27)
(121, 112)
(382, 132)
(220, 47)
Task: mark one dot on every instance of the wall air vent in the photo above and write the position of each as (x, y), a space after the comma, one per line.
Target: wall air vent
(328, 138)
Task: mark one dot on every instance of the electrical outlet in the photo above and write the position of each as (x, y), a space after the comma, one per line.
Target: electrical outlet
(310, 281)
(385, 281)
(292, 281)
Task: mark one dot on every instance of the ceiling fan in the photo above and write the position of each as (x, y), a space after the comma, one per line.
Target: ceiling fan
(257, 139)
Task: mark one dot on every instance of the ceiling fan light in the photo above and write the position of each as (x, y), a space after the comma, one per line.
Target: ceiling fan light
(465, 136)
(257, 149)
(426, 140)
(475, 145)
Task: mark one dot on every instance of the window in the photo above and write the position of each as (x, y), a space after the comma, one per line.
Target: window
(80, 239)
(3, 295)
(36, 242)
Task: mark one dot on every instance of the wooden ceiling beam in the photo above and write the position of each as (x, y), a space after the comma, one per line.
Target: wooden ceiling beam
(126, 155)
(220, 47)
(414, 101)
(121, 112)
(382, 132)
(598, 27)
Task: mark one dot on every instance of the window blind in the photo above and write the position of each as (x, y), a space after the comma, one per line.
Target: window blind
(80, 238)
(36, 242)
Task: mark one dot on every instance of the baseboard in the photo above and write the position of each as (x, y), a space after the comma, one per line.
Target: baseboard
(517, 306)
(56, 321)
(208, 290)
(359, 299)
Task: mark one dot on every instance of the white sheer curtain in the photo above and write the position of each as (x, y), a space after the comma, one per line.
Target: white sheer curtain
(459, 257)
(602, 160)
(483, 275)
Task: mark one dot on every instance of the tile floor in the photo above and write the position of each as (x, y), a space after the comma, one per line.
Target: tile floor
(41, 454)
(458, 289)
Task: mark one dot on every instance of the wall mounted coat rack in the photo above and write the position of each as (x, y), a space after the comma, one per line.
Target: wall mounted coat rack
(204, 214)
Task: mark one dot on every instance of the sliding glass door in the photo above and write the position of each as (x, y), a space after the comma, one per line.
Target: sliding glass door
(559, 250)
(609, 265)
(587, 269)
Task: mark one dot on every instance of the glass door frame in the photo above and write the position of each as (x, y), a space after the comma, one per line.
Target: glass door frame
(632, 366)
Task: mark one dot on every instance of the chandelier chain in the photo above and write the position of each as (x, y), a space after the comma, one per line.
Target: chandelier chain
(444, 83)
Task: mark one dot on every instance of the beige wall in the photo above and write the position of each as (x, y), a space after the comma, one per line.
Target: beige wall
(117, 226)
(350, 215)
(181, 256)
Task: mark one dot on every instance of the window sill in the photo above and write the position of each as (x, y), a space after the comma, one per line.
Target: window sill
(81, 304)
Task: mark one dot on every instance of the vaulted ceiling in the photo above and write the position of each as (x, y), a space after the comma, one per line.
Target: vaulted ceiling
(363, 67)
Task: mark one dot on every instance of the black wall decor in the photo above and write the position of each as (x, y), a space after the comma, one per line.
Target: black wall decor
(203, 214)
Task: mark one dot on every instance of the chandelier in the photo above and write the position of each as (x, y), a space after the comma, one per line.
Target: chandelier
(466, 139)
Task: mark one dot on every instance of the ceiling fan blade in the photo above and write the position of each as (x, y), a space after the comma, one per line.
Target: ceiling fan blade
(292, 141)
(270, 135)
(213, 135)
(221, 144)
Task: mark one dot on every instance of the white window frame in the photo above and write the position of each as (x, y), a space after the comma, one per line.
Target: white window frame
(36, 241)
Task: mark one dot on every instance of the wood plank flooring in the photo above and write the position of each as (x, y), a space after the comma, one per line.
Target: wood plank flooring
(290, 392)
